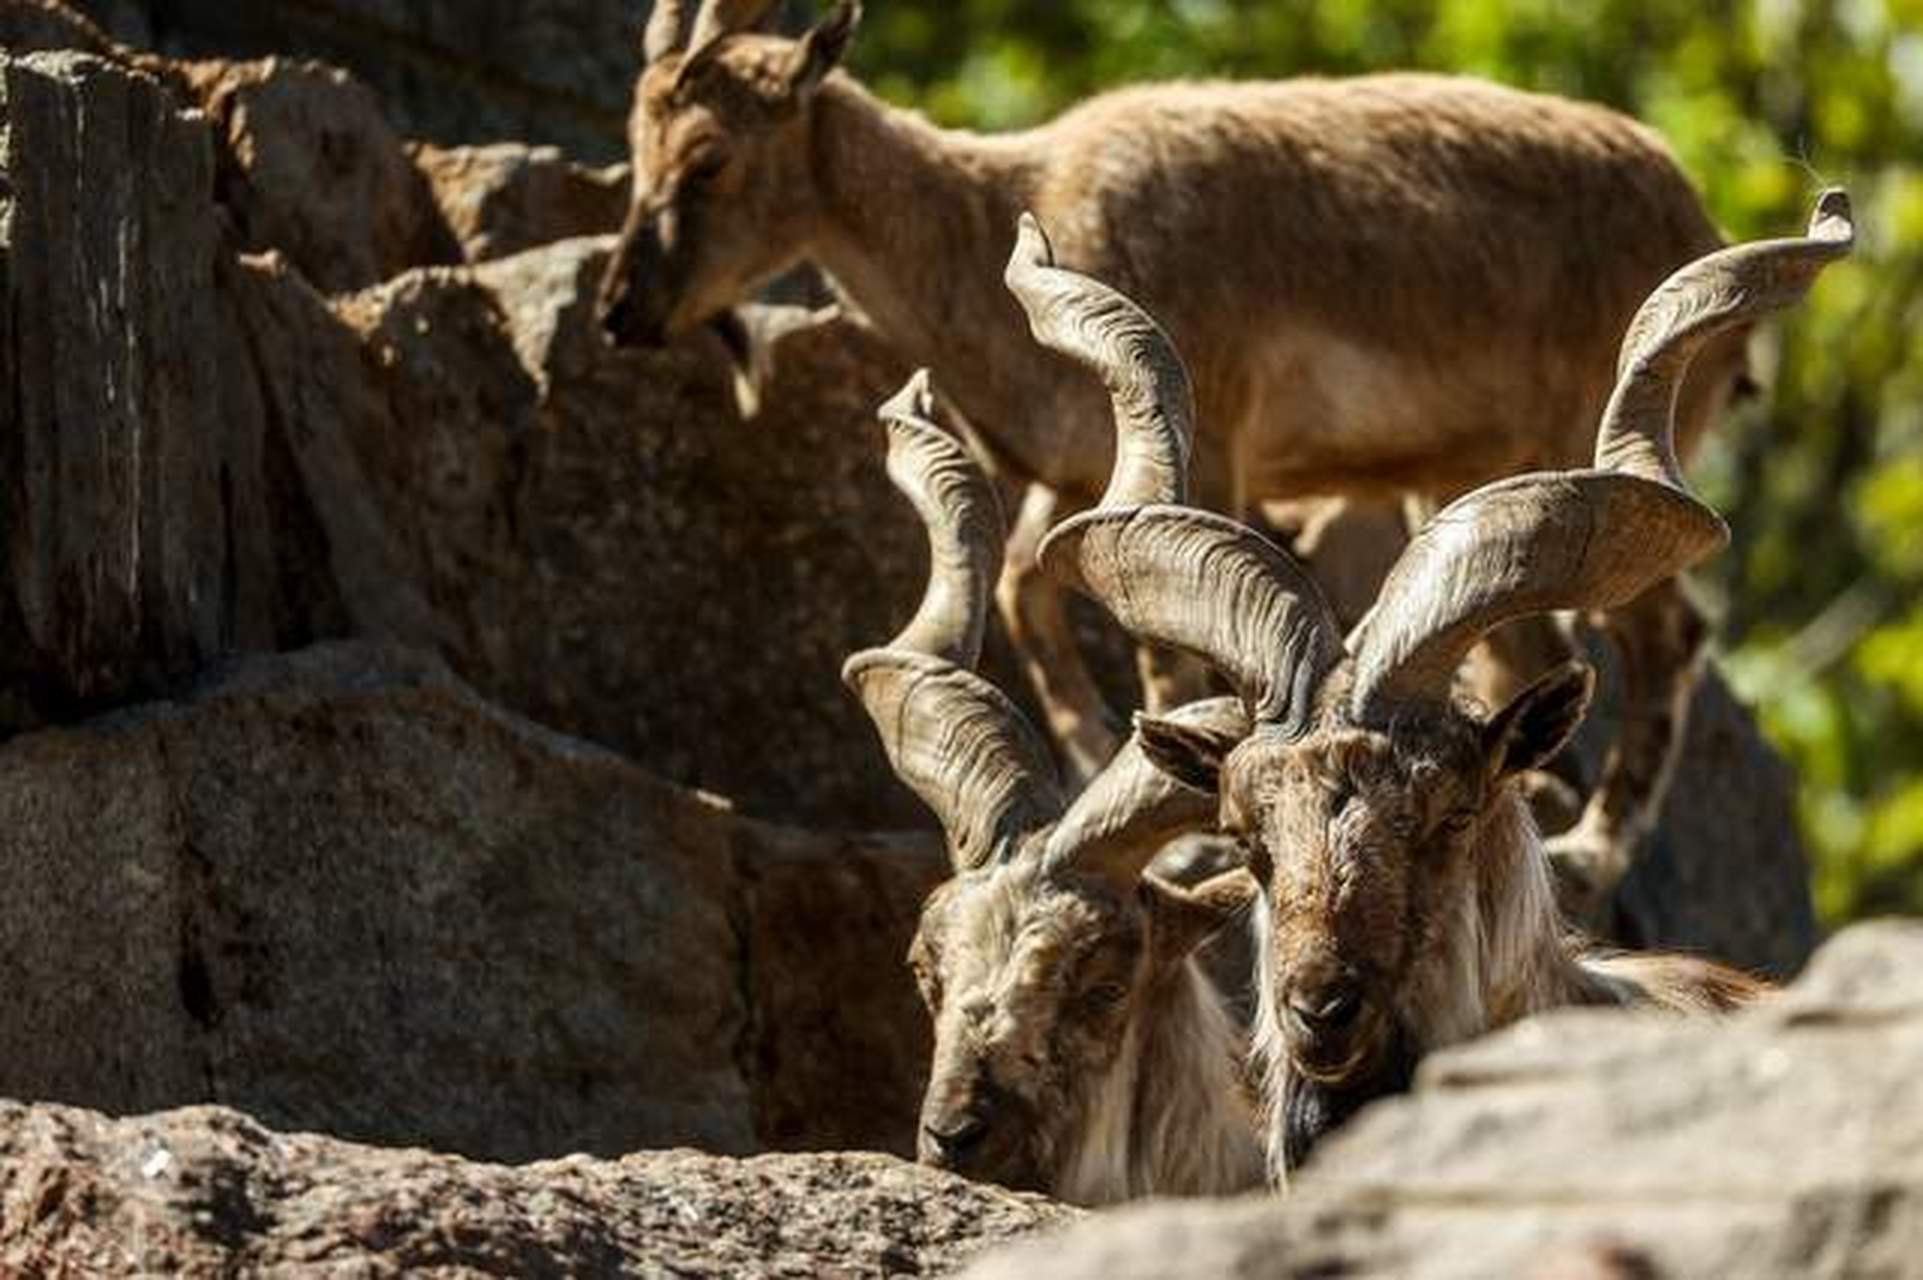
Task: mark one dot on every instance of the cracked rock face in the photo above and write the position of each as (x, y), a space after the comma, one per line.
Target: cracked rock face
(1785, 1142)
(208, 1191)
(339, 890)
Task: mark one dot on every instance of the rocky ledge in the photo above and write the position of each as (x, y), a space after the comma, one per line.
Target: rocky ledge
(207, 1191)
(1787, 1142)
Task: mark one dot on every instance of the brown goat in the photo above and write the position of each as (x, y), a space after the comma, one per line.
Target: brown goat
(1407, 899)
(1288, 235)
(1078, 1048)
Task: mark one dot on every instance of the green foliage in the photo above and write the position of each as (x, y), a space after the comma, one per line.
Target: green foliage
(1764, 101)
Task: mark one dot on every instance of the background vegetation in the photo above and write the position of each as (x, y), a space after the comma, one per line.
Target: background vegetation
(1764, 101)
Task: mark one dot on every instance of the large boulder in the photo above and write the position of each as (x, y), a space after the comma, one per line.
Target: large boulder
(339, 891)
(1785, 1142)
(208, 1191)
(616, 552)
(29, 25)
(310, 167)
(155, 519)
(1724, 872)
(453, 71)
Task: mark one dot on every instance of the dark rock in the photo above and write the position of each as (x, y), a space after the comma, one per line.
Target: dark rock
(154, 520)
(616, 553)
(311, 168)
(451, 71)
(1725, 872)
(341, 892)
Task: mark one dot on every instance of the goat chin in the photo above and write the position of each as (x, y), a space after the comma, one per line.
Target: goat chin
(1311, 1109)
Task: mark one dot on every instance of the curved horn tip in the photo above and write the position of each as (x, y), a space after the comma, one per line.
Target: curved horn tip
(1833, 219)
(1032, 245)
(857, 663)
(915, 400)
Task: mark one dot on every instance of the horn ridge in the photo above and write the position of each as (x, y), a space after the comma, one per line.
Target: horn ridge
(1700, 300)
(1109, 334)
(963, 519)
(962, 747)
(667, 21)
(1212, 587)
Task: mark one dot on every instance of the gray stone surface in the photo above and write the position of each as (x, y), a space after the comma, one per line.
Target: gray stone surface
(208, 1191)
(156, 520)
(1786, 1142)
(338, 890)
(619, 554)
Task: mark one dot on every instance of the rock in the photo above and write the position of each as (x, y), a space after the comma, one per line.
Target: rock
(338, 890)
(1784, 1142)
(157, 520)
(1725, 872)
(840, 1039)
(30, 25)
(617, 554)
(507, 197)
(209, 1191)
(452, 71)
(312, 169)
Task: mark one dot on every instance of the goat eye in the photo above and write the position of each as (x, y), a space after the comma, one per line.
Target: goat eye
(703, 174)
(1458, 821)
(1107, 995)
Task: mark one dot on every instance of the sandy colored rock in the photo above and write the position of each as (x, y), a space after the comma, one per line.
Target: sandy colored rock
(506, 197)
(209, 1191)
(1784, 1143)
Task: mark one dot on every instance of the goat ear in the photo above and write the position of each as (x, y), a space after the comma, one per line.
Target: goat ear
(821, 50)
(1534, 727)
(1191, 754)
(1183, 919)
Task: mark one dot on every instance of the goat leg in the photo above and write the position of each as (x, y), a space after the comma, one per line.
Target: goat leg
(1662, 640)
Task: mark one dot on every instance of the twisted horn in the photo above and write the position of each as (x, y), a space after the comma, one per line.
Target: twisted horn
(1170, 574)
(964, 522)
(952, 737)
(1131, 808)
(1587, 539)
(1698, 301)
(962, 747)
(1108, 334)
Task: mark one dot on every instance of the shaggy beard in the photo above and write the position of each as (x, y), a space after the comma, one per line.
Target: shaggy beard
(1311, 1109)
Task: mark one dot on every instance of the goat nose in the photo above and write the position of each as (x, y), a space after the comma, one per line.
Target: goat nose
(956, 1135)
(1328, 1008)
